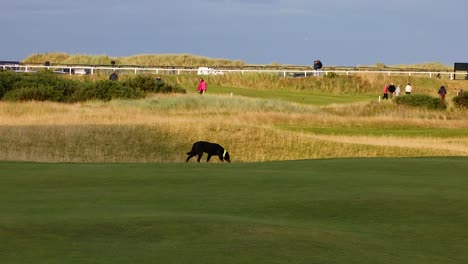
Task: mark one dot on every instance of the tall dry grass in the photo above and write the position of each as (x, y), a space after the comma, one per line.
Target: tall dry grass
(163, 127)
(149, 60)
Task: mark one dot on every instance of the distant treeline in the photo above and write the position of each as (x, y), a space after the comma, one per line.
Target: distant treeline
(47, 86)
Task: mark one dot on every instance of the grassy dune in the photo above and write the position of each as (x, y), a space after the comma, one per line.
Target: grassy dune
(142, 59)
(410, 210)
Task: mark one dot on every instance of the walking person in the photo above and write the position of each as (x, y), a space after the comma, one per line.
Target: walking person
(408, 88)
(201, 86)
(385, 92)
(391, 89)
(442, 92)
(398, 90)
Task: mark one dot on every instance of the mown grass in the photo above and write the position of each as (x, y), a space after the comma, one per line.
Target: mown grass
(408, 210)
(303, 97)
(383, 131)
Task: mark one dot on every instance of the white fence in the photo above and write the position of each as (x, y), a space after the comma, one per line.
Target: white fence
(286, 73)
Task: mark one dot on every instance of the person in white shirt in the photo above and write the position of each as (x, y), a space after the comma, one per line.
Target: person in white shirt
(408, 88)
(397, 91)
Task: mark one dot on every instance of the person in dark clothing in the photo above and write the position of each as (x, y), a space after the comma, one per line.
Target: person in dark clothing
(114, 76)
(391, 89)
(317, 66)
(442, 92)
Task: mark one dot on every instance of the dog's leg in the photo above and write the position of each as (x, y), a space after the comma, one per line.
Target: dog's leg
(199, 156)
(209, 157)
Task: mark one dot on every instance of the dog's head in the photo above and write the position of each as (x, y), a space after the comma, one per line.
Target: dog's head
(226, 156)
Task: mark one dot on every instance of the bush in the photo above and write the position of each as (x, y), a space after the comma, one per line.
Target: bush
(149, 85)
(421, 100)
(7, 80)
(38, 93)
(461, 100)
(106, 90)
(47, 86)
(144, 82)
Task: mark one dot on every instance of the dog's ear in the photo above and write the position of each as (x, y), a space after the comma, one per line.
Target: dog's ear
(226, 156)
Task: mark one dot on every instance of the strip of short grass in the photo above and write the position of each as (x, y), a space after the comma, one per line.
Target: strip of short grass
(381, 131)
(303, 97)
(322, 211)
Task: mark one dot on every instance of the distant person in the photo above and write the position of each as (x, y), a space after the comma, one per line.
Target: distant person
(408, 88)
(158, 79)
(317, 67)
(398, 90)
(460, 92)
(385, 92)
(201, 86)
(391, 89)
(442, 92)
(114, 76)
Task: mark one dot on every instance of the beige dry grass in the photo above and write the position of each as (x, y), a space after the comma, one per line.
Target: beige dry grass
(162, 128)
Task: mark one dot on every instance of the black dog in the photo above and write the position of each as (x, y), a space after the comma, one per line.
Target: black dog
(211, 148)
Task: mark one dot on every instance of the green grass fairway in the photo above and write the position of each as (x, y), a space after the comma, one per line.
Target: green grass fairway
(408, 210)
(387, 130)
(295, 96)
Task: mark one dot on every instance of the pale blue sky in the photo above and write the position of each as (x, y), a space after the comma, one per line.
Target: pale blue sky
(339, 32)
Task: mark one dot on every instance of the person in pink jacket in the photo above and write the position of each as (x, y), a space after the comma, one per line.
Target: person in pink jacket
(385, 92)
(202, 86)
